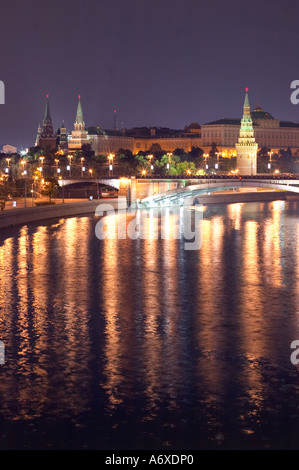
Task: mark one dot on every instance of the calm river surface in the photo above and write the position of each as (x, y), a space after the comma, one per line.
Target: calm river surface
(141, 344)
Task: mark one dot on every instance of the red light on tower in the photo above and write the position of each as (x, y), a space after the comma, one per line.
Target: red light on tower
(79, 96)
(246, 89)
(47, 96)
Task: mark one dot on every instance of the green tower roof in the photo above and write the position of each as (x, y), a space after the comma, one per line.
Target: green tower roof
(79, 115)
(246, 101)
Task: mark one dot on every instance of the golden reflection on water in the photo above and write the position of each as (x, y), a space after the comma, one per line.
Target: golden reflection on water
(210, 315)
(111, 292)
(41, 326)
(272, 249)
(235, 212)
(152, 300)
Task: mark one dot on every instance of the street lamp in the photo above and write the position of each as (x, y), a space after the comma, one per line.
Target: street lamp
(42, 165)
(110, 158)
(217, 163)
(169, 160)
(57, 169)
(82, 167)
(206, 155)
(270, 160)
(69, 167)
(151, 166)
(23, 162)
(7, 169)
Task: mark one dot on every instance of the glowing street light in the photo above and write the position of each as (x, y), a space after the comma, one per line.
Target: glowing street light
(23, 163)
(169, 160)
(206, 155)
(42, 164)
(57, 162)
(110, 158)
(150, 157)
(217, 163)
(82, 167)
(69, 167)
(7, 169)
(270, 160)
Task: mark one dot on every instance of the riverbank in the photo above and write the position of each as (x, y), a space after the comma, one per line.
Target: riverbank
(24, 215)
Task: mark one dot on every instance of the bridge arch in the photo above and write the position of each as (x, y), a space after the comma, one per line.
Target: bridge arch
(112, 183)
(187, 194)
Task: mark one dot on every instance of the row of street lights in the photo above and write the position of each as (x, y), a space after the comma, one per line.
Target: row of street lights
(111, 157)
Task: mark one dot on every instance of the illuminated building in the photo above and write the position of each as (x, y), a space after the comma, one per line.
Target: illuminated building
(269, 132)
(8, 149)
(145, 139)
(79, 135)
(246, 147)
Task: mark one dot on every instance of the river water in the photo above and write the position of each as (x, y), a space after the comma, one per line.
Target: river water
(142, 344)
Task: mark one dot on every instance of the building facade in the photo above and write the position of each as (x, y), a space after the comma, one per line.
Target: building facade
(269, 132)
(9, 149)
(144, 139)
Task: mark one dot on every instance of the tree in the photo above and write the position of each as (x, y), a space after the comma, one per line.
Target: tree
(264, 152)
(185, 168)
(50, 188)
(7, 187)
(87, 151)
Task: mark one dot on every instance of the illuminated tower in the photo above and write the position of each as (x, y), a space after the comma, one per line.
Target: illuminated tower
(79, 135)
(46, 137)
(246, 147)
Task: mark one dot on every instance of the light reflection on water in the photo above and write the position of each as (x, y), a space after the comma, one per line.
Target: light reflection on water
(142, 344)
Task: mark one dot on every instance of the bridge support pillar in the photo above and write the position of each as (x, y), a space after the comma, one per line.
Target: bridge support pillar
(127, 189)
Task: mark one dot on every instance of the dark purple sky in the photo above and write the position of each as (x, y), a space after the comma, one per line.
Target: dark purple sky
(158, 62)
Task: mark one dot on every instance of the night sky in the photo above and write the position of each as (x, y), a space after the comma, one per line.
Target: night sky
(158, 62)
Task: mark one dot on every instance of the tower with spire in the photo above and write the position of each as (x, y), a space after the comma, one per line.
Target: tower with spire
(79, 135)
(46, 138)
(246, 147)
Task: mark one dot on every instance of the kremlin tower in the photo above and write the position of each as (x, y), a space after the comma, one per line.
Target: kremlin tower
(246, 147)
(79, 135)
(46, 138)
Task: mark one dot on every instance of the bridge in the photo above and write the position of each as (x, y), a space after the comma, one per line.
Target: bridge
(167, 191)
(113, 182)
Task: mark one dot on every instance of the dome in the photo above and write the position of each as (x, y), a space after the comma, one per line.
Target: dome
(259, 113)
